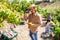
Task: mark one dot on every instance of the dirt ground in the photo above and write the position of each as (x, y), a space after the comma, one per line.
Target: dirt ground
(23, 32)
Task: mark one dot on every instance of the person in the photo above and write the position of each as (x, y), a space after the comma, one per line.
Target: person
(26, 14)
(34, 21)
(48, 31)
(49, 26)
(49, 18)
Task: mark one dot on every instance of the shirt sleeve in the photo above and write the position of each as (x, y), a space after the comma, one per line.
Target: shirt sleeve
(40, 18)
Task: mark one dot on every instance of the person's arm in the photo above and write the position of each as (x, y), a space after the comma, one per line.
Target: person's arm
(28, 19)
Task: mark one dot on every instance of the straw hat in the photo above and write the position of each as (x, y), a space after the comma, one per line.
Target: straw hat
(51, 23)
(33, 5)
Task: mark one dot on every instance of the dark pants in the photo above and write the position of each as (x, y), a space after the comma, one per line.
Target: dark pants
(34, 36)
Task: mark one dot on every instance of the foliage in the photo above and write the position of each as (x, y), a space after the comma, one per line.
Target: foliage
(13, 18)
(42, 11)
(9, 16)
(3, 15)
(1, 25)
(58, 17)
(57, 32)
(18, 5)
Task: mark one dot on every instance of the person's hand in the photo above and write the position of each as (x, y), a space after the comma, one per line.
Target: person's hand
(30, 23)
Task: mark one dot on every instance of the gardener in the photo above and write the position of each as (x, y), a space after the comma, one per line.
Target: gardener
(34, 21)
(49, 18)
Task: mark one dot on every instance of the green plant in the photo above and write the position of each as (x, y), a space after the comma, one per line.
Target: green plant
(39, 9)
(1, 25)
(58, 17)
(57, 32)
(13, 19)
(3, 15)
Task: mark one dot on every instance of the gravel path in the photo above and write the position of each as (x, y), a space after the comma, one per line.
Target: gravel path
(23, 32)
